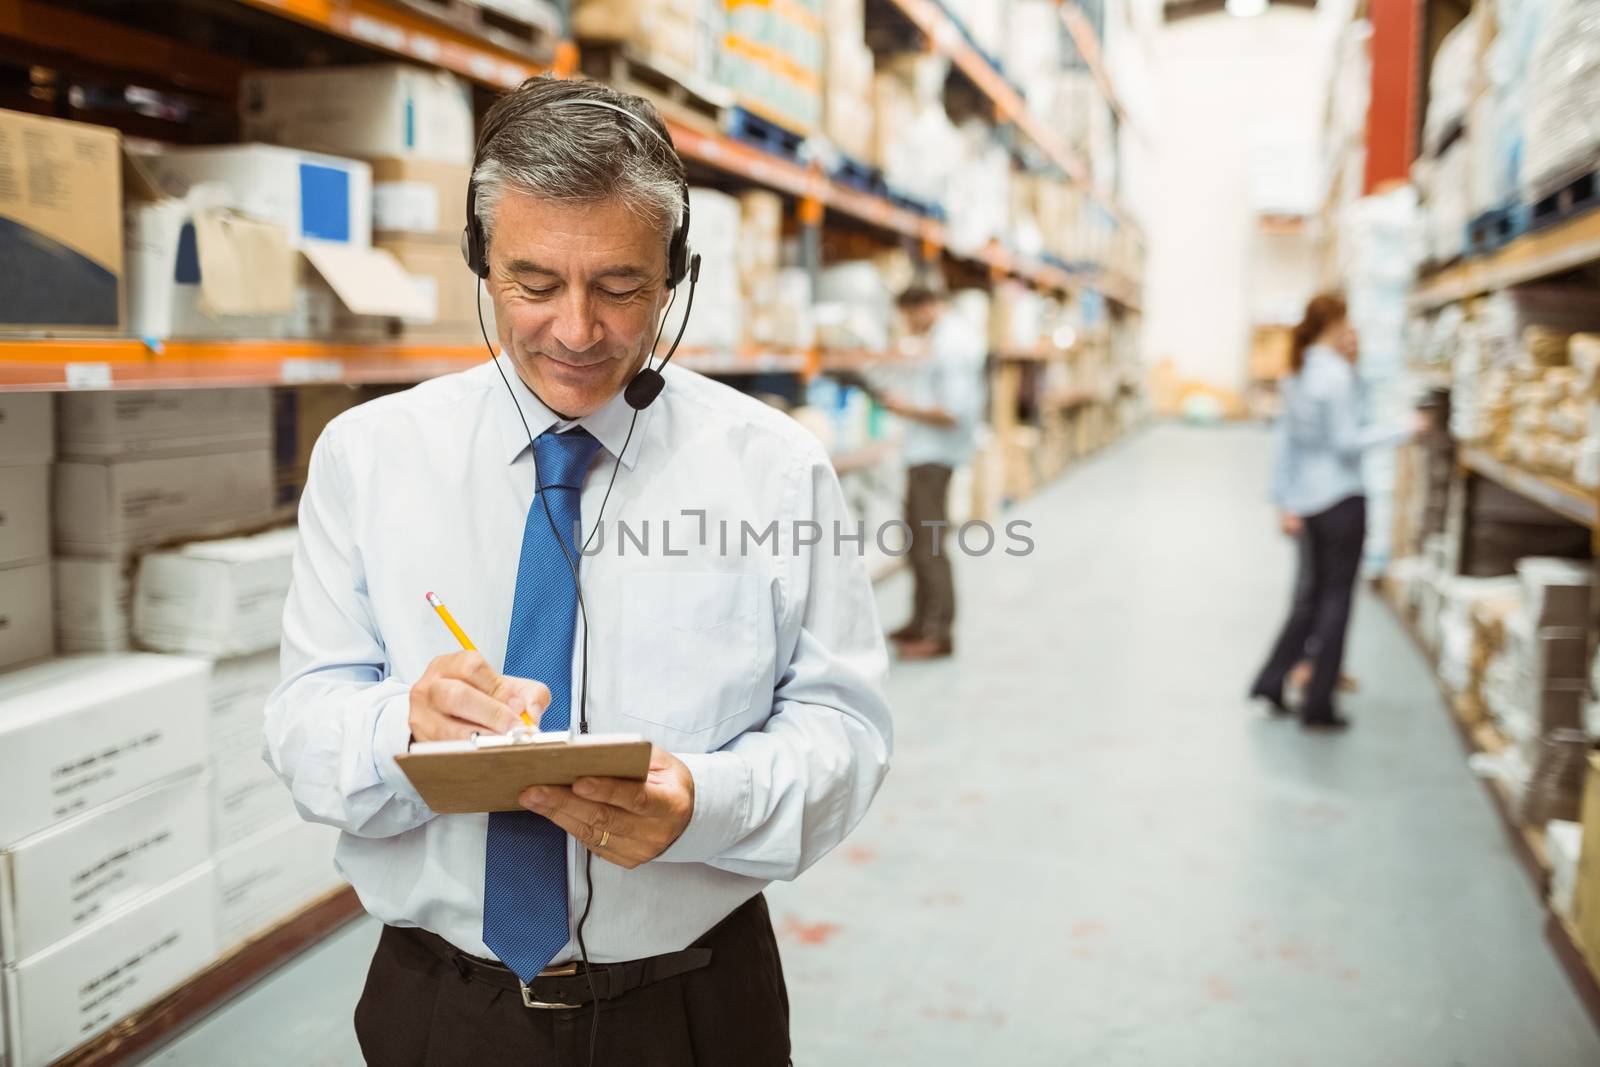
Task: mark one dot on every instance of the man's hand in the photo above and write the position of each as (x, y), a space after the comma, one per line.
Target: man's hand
(460, 695)
(636, 820)
(1291, 524)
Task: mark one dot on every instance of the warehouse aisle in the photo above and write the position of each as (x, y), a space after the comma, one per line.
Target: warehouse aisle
(1092, 850)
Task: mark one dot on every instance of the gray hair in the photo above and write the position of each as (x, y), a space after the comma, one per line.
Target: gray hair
(535, 142)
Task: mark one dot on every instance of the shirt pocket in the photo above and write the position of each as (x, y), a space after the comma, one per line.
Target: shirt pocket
(692, 644)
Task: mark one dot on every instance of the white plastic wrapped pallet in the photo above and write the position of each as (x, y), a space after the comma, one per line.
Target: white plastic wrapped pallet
(1563, 116)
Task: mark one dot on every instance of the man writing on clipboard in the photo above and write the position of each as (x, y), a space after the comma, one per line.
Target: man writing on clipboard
(746, 651)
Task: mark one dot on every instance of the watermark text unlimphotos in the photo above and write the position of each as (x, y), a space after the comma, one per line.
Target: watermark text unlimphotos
(695, 530)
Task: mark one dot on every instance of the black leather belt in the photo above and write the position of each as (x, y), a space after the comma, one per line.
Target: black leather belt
(569, 985)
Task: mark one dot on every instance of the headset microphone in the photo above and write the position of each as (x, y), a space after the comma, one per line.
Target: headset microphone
(648, 383)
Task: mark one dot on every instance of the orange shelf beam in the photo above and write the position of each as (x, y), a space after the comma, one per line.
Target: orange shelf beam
(412, 36)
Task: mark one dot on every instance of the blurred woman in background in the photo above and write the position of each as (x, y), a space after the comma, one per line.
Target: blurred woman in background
(1317, 487)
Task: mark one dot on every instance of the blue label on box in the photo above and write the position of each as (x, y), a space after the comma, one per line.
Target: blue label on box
(187, 271)
(324, 202)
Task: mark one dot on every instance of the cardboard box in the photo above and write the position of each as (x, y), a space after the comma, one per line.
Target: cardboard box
(27, 428)
(444, 285)
(299, 415)
(199, 270)
(314, 197)
(215, 598)
(164, 422)
(267, 878)
(63, 878)
(83, 730)
(106, 509)
(246, 796)
(368, 111)
(26, 630)
(61, 237)
(79, 988)
(24, 514)
(1586, 894)
(94, 604)
(415, 197)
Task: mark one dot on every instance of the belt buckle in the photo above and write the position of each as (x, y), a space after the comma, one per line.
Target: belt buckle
(564, 971)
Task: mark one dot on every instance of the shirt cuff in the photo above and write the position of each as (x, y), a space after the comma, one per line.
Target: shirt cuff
(721, 805)
(391, 737)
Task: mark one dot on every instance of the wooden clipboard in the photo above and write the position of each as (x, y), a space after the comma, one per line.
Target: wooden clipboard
(491, 779)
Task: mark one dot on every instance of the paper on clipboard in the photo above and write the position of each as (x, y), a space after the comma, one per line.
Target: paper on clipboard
(489, 772)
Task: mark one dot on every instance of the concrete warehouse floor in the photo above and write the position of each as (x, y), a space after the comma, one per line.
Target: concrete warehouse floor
(1091, 850)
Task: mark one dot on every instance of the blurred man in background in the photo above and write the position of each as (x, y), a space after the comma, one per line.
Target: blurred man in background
(942, 407)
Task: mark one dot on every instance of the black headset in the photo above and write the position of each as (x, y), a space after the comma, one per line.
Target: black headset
(647, 384)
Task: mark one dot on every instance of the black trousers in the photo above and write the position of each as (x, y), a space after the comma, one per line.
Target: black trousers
(1319, 616)
(933, 599)
(417, 1009)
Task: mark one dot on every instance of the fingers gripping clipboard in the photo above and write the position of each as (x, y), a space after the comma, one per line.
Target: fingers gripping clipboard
(488, 773)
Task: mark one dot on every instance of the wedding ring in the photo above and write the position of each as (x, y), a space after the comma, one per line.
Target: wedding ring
(605, 835)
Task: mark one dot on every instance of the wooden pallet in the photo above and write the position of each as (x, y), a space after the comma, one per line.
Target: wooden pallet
(1575, 193)
(1493, 230)
(746, 125)
(532, 28)
(134, 1037)
(678, 94)
(858, 175)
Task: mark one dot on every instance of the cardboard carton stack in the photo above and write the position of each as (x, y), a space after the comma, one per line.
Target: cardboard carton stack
(674, 34)
(772, 56)
(61, 242)
(223, 600)
(847, 120)
(414, 129)
(108, 898)
(27, 445)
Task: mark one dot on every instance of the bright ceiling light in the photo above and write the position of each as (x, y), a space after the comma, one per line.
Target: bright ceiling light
(1246, 8)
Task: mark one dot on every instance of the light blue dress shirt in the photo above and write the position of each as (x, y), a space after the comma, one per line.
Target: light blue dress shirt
(1322, 436)
(761, 667)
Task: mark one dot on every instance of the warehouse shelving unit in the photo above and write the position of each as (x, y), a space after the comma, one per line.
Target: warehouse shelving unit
(86, 40)
(1565, 246)
(1540, 255)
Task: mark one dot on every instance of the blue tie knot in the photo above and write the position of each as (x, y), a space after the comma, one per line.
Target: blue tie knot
(562, 459)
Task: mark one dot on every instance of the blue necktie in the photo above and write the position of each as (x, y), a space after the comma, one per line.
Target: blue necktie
(525, 864)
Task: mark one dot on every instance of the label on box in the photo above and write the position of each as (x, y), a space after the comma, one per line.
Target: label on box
(25, 605)
(81, 731)
(406, 206)
(62, 879)
(266, 879)
(79, 988)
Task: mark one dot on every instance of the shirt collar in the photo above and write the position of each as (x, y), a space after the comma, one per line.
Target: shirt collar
(609, 425)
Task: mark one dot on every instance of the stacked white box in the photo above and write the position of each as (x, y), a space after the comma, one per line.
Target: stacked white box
(383, 110)
(27, 445)
(80, 987)
(268, 877)
(246, 796)
(314, 197)
(79, 731)
(94, 604)
(64, 878)
(143, 468)
(215, 598)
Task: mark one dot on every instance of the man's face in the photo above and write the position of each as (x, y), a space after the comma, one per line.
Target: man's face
(578, 291)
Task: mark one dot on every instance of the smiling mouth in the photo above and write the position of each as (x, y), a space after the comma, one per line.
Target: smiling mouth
(574, 366)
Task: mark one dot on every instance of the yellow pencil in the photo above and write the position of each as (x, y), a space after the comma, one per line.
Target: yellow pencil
(466, 642)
